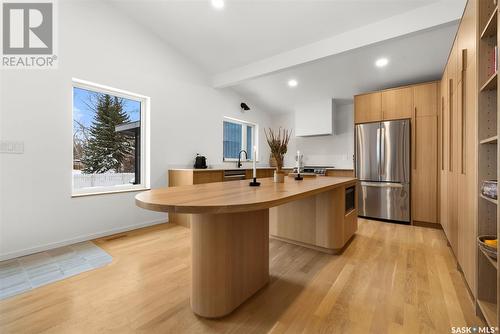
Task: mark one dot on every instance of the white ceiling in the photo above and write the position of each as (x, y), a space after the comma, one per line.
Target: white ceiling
(413, 58)
(329, 46)
(246, 31)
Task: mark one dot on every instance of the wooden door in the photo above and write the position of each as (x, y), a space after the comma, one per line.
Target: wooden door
(367, 108)
(425, 155)
(397, 103)
(467, 149)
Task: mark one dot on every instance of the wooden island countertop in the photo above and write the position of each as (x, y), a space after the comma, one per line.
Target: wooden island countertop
(230, 229)
(236, 196)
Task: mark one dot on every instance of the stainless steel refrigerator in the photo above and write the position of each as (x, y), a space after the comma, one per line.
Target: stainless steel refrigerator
(383, 169)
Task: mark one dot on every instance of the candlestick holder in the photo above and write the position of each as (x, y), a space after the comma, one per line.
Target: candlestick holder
(298, 177)
(254, 183)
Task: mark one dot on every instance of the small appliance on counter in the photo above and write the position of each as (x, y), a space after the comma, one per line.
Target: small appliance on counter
(200, 162)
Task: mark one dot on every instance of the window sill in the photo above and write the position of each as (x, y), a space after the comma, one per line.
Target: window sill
(236, 160)
(109, 192)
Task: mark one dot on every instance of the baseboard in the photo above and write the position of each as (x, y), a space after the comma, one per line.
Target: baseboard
(428, 225)
(303, 244)
(71, 241)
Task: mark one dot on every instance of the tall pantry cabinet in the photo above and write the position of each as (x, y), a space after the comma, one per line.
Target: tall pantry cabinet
(458, 157)
(468, 150)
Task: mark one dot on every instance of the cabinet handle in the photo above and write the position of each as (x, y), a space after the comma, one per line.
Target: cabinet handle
(463, 111)
(450, 131)
(442, 133)
(415, 138)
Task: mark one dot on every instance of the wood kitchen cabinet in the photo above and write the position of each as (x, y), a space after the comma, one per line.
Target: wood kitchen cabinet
(444, 152)
(397, 103)
(261, 173)
(368, 108)
(425, 153)
(340, 172)
(458, 112)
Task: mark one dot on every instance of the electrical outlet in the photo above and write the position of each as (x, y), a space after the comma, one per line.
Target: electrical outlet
(11, 147)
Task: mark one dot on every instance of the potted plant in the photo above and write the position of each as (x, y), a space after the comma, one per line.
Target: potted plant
(278, 143)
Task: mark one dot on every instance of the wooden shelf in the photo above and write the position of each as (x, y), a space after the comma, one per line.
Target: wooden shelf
(494, 201)
(493, 262)
(490, 29)
(490, 84)
(489, 311)
(491, 140)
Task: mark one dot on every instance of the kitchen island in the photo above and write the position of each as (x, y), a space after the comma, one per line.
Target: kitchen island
(230, 231)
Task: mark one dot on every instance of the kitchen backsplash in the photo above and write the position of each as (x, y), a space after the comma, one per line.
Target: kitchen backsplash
(333, 150)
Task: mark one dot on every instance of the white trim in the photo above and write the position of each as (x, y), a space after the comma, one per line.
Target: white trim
(145, 102)
(107, 89)
(102, 190)
(42, 248)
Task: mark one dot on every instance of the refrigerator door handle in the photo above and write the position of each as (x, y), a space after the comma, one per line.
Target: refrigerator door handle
(378, 152)
(382, 151)
(382, 185)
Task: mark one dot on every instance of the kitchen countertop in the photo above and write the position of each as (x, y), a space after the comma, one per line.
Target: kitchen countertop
(334, 168)
(219, 169)
(244, 168)
(236, 196)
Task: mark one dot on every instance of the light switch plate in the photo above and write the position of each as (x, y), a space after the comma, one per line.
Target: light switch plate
(11, 147)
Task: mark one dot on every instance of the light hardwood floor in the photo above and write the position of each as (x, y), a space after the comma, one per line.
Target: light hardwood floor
(390, 279)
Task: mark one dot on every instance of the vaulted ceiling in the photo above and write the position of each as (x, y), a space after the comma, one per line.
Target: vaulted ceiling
(254, 46)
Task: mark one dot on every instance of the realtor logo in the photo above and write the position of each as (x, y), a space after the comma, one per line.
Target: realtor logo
(28, 35)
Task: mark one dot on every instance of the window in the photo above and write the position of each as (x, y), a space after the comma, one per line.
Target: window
(238, 135)
(110, 146)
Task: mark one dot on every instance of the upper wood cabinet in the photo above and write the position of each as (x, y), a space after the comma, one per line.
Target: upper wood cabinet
(425, 99)
(368, 108)
(397, 103)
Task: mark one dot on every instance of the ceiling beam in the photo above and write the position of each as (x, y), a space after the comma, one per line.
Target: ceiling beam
(436, 14)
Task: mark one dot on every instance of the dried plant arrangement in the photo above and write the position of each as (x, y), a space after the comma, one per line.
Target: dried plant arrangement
(278, 143)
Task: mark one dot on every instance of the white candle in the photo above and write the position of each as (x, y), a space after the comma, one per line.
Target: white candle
(298, 161)
(254, 162)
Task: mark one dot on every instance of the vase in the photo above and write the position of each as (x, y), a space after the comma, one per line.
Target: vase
(279, 177)
(272, 161)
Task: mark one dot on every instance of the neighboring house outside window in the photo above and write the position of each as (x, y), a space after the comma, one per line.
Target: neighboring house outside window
(238, 135)
(110, 140)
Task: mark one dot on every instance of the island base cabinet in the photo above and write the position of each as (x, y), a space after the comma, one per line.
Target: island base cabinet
(319, 222)
(230, 260)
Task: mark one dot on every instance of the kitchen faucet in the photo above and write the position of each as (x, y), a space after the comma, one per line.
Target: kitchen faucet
(239, 157)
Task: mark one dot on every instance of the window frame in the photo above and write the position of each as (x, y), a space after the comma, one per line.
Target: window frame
(145, 101)
(255, 138)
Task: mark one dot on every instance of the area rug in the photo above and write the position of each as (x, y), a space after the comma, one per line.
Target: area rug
(29, 272)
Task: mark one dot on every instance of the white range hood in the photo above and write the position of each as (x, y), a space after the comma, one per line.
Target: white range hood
(314, 118)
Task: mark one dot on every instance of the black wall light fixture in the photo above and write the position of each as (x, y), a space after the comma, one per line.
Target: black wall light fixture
(244, 106)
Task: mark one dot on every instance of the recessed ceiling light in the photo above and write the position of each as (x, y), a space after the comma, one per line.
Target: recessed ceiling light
(381, 62)
(218, 4)
(292, 83)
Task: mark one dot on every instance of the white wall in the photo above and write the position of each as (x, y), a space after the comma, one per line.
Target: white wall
(336, 150)
(99, 44)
